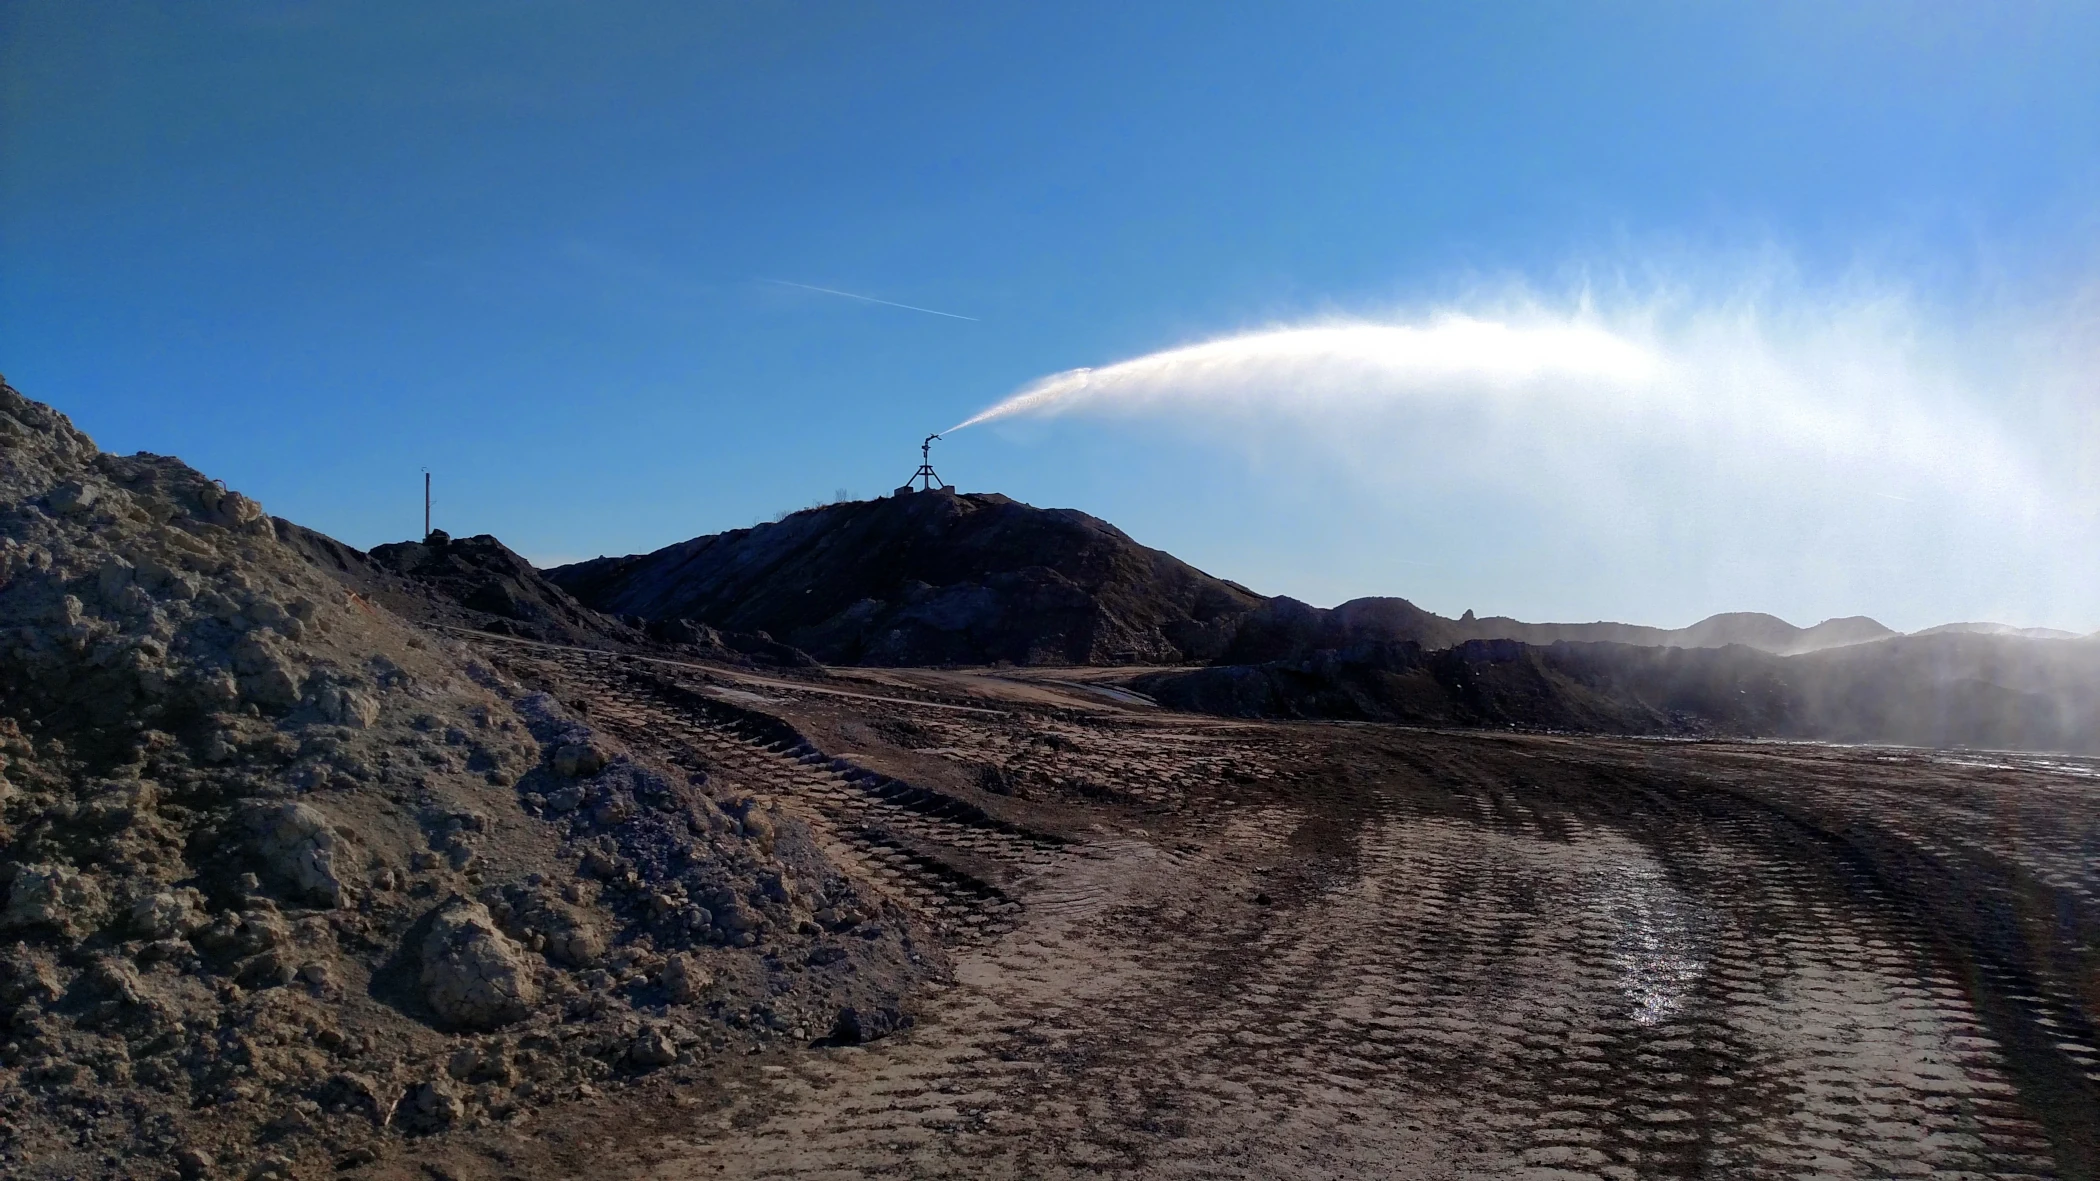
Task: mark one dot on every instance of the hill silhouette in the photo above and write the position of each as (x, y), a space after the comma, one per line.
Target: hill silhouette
(475, 582)
(1947, 690)
(1998, 629)
(944, 578)
(932, 577)
(1284, 628)
(940, 577)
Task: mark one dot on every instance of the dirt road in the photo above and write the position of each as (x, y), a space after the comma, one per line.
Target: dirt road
(1186, 947)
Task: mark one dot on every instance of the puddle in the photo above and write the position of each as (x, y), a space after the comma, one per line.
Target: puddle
(1654, 940)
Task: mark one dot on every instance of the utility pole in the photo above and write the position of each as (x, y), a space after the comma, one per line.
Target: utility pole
(426, 502)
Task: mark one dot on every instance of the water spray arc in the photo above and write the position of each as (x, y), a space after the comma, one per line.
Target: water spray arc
(1803, 441)
(1308, 372)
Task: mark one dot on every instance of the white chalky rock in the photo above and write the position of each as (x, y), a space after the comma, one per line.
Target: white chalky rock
(345, 706)
(652, 1049)
(473, 975)
(170, 914)
(572, 938)
(52, 896)
(685, 979)
(266, 677)
(299, 845)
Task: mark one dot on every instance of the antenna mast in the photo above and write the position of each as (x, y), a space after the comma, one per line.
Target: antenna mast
(426, 502)
(925, 474)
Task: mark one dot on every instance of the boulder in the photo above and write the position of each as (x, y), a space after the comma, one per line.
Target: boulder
(751, 820)
(266, 677)
(431, 1107)
(359, 1094)
(571, 938)
(75, 498)
(52, 896)
(685, 980)
(272, 1168)
(737, 920)
(300, 846)
(169, 914)
(652, 1049)
(578, 758)
(25, 980)
(473, 975)
(855, 1026)
(341, 703)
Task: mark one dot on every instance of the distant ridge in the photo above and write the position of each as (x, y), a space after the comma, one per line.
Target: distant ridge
(1283, 628)
(1998, 629)
(1953, 689)
(940, 577)
(937, 577)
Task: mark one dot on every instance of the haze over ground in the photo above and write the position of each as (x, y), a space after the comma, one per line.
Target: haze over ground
(554, 254)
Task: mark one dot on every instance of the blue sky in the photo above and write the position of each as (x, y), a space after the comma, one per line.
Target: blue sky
(545, 250)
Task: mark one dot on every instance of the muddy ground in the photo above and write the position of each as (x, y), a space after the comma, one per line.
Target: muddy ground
(1186, 946)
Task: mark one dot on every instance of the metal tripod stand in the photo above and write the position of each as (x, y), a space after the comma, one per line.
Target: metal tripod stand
(925, 475)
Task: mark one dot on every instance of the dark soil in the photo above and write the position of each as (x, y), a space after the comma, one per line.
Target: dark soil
(1321, 950)
(930, 578)
(1950, 690)
(293, 883)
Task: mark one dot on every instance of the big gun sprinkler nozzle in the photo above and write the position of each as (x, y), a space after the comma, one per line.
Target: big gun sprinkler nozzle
(925, 476)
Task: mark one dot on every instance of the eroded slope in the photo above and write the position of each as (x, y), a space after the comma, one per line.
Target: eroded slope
(292, 884)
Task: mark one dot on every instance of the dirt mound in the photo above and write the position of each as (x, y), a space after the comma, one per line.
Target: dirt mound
(930, 578)
(939, 578)
(1594, 688)
(288, 877)
(479, 583)
(472, 582)
(502, 592)
(1997, 692)
(1940, 691)
(1286, 629)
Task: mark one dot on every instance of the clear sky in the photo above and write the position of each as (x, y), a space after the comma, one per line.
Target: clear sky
(1567, 311)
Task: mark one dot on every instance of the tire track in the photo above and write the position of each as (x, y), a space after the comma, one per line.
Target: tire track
(1468, 1000)
(1473, 961)
(919, 845)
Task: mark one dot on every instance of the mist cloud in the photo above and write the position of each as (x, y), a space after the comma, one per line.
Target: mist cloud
(1309, 369)
(1775, 442)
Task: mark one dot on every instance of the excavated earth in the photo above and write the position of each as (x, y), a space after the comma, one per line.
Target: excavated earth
(296, 884)
(1206, 947)
(303, 881)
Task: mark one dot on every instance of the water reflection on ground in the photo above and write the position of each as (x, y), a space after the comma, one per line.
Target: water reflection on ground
(1655, 942)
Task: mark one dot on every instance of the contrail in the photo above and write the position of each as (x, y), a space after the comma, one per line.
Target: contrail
(871, 299)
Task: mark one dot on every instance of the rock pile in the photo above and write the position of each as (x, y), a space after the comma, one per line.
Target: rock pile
(480, 584)
(930, 578)
(465, 582)
(288, 878)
